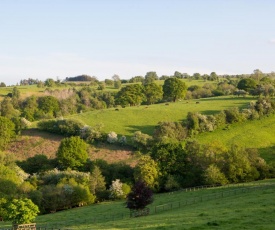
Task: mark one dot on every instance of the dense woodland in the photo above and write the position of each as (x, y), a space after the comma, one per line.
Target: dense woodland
(169, 160)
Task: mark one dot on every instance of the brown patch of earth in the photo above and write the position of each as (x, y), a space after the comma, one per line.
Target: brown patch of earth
(33, 142)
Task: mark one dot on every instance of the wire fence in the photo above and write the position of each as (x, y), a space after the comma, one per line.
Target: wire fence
(226, 191)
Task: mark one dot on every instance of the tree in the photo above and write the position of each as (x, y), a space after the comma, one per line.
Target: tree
(97, 181)
(7, 109)
(48, 105)
(170, 157)
(214, 176)
(139, 197)
(141, 141)
(153, 93)
(178, 74)
(21, 211)
(49, 82)
(150, 77)
(15, 97)
(30, 107)
(147, 170)
(116, 190)
(174, 89)
(72, 153)
(257, 75)
(6, 131)
(2, 84)
(169, 131)
(130, 95)
(247, 84)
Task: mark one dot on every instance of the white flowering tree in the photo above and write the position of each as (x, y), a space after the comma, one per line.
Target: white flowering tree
(116, 191)
(112, 137)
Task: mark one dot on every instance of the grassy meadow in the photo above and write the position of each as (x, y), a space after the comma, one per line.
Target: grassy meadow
(249, 134)
(125, 121)
(244, 206)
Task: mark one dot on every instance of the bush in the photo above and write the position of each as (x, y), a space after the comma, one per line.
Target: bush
(65, 127)
(112, 137)
(139, 197)
(21, 211)
(72, 153)
(141, 141)
(116, 191)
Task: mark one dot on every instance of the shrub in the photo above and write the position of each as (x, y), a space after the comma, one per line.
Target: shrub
(21, 211)
(139, 197)
(112, 137)
(65, 127)
(141, 141)
(72, 152)
(116, 191)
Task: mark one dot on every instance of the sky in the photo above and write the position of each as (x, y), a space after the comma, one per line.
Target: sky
(66, 38)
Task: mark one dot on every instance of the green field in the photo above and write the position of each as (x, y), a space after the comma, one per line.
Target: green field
(250, 134)
(127, 120)
(244, 206)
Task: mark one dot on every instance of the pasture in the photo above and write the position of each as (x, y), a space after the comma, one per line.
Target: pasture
(125, 121)
(249, 134)
(242, 206)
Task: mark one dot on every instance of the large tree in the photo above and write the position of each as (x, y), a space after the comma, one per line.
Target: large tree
(72, 153)
(150, 77)
(153, 93)
(174, 89)
(48, 105)
(130, 95)
(247, 84)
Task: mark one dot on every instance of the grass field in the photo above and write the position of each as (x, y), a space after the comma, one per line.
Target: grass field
(248, 206)
(250, 134)
(144, 118)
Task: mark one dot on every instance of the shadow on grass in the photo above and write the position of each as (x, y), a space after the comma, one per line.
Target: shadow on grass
(227, 98)
(147, 129)
(268, 154)
(39, 133)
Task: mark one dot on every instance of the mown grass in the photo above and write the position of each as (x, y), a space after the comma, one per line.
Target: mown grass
(126, 121)
(246, 208)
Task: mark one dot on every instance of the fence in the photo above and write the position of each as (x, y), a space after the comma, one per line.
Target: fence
(236, 189)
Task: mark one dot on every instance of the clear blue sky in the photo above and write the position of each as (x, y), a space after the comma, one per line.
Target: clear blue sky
(65, 38)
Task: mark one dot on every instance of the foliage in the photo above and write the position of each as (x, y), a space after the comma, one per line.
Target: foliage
(72, 153)
(141, 141)
(48, 105)
(147, 170)
(174, 89)
(67, 127)
(6, 132)
(139, 197)
(213, 175)
(36, 164)
(169, 131)
(93, 134)
(130, 95)
(112, 137)
(170, 157)
(150, 77)
(247, 84)
(116, 190)
(21, 211)
(97, 181)
(153, 93)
